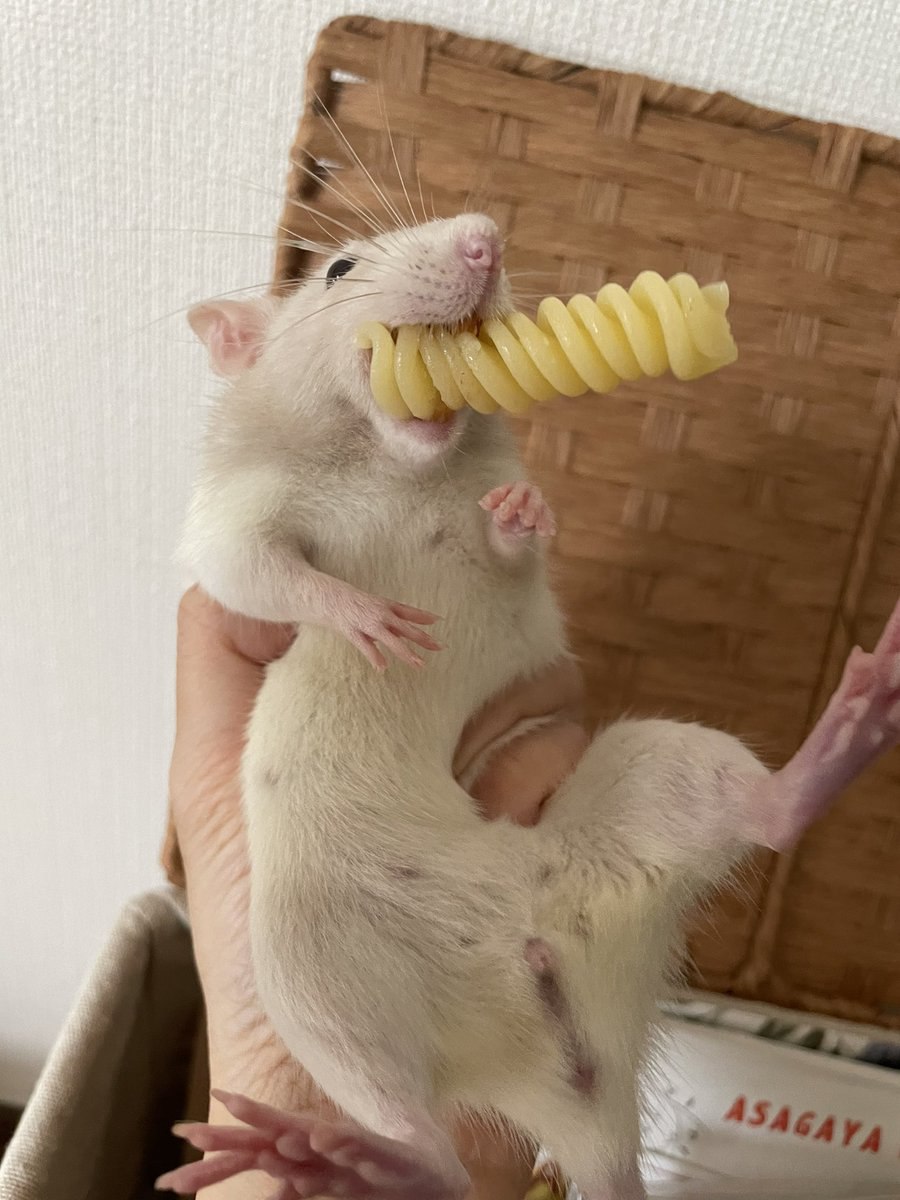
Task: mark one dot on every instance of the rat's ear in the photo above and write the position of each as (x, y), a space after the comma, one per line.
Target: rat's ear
(233, 332)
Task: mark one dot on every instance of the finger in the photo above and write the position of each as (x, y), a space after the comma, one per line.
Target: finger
(558, 688)
(546, 525)
(194, 1176)
(221, 1137)
(413, 633)
(398, 647)
(494, 497)
(216, 681)
(519, 495)
(253, 1112)
(407, 613)
(531, 507)
(285, 1191)
(259, 642)
(524, 774)
(367, 645)
(203, 621)
(276, 1164)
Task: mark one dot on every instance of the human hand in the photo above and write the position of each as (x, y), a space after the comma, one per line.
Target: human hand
(221, 665)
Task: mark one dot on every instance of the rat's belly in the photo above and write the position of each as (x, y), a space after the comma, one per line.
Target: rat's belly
(371, 938)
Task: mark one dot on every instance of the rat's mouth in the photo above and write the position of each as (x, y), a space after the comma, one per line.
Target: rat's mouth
(471, 324)
(443, 410)
(443, 420)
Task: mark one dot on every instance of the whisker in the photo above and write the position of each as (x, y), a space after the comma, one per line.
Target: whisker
(252, 287)
(315, 218)
(292, 239)
(378, 183)
(330, 250)
(480, 186)
(387, 126)
(267, 237)
(318, 312)
(354, 233)
(392, 211)
(421, 197)
(324, 279)
(344, 196)
(317, 213)
(267, 191)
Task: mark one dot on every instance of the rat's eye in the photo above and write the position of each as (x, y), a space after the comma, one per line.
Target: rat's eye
(338, 269)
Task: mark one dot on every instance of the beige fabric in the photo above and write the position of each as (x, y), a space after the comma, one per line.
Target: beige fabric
(96, 1127)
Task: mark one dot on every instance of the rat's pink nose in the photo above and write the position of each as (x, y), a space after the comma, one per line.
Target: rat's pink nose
(479, 252)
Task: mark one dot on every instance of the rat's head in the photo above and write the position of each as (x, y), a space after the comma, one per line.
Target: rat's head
(445, 273)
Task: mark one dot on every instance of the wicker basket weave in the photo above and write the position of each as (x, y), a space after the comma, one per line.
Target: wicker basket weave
(721, 543)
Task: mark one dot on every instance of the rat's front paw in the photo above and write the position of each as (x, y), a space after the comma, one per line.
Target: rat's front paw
(519, 510)
(374, 625)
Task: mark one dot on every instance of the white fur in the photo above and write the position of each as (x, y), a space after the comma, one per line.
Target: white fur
(388, 919)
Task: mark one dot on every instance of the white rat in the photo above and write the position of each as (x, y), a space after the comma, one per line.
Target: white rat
(412, 956)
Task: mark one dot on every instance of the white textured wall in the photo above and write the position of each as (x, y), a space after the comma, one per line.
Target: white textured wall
(126, 130)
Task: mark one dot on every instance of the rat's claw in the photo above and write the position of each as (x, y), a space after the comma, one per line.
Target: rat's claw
(369, 647)
(413, 634)
(220, 1137)
(372, 625)
(194, 1176)
(407, 613)
(399, 648)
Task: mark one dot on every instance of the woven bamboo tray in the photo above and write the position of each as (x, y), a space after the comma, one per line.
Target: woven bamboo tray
(721, 543)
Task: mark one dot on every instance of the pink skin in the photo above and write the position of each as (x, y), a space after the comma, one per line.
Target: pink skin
(519, 511)
(232, 332)
(860, 723)
(374, 625)
(307, 1156)
(480, 253)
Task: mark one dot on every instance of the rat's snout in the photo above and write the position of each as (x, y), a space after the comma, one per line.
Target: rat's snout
(480, 252)
(449, 271)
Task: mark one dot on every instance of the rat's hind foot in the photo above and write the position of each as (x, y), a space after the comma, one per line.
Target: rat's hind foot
(309, 1157)
(861, 722)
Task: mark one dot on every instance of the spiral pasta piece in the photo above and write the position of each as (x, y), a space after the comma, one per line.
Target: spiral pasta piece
(547, 1182)
(585, 345)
